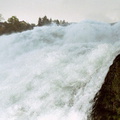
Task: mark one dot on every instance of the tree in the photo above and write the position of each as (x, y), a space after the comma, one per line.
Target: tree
(57, 22)
(13, 20)
(1, 18)
(45, 20)
(39, 22)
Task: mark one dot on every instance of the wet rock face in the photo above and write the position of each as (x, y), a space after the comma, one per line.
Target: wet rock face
(107, 100)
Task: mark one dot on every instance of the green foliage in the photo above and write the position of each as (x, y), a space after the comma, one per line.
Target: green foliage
(45, 21)
(13, 24)
(13, 20)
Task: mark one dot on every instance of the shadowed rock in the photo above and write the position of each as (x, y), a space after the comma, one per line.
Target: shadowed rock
(107, 100)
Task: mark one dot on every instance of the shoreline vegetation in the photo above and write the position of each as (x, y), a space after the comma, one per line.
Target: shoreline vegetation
(14, 25)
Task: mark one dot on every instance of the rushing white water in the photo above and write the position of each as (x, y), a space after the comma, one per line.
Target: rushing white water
(54, 72)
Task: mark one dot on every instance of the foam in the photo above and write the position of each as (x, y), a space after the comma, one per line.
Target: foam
(53, 72)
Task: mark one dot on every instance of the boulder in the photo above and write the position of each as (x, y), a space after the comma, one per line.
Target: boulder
(107, 100)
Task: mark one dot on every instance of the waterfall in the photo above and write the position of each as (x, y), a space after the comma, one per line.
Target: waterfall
(53, 72)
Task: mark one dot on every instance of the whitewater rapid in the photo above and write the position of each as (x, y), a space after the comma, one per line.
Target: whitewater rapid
(53, 72)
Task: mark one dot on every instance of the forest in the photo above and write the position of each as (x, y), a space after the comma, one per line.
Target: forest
(13, 24)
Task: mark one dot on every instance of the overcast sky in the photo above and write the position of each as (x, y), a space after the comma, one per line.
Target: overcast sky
(69, 10)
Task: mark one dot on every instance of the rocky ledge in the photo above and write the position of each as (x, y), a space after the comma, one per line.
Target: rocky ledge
(107, 100)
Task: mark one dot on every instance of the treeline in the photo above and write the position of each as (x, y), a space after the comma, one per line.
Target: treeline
(45, 21)
(13, 24)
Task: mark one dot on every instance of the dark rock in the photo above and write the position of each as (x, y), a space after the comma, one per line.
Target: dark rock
(107, 100)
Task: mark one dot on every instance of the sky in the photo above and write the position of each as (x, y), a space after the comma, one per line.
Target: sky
(68, 10)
